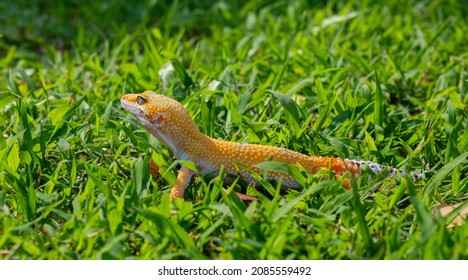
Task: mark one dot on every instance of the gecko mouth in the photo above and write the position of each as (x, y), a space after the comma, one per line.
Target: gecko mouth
(131, 108)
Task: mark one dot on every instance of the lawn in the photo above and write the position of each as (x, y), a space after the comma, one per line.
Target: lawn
(352, 79)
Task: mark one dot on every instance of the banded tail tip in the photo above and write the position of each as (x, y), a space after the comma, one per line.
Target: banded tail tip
(356, 165)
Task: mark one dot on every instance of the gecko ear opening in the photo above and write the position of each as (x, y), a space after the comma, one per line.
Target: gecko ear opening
(158, 119)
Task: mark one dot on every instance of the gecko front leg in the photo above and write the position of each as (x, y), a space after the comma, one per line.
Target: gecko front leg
(183, 178)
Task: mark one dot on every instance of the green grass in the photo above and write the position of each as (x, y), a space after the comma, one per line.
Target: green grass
(354, 79)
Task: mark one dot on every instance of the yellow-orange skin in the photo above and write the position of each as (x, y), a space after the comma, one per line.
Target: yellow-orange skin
(169, 121)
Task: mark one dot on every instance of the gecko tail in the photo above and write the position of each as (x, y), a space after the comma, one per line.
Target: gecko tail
(356, 165)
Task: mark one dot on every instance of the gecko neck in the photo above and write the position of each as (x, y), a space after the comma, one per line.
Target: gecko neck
(184, 144)
(194, 146)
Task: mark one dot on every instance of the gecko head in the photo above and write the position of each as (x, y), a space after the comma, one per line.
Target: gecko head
(162, 116)
(151, 109)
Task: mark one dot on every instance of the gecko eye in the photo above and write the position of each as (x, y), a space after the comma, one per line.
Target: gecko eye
(141, 100)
